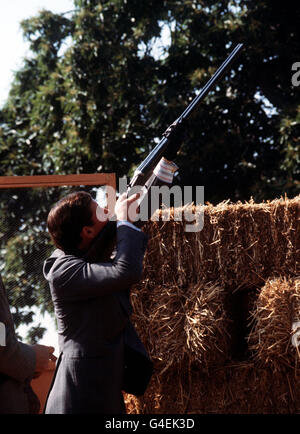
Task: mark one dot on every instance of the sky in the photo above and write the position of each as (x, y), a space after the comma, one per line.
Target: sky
(12, 46)
(12, 51)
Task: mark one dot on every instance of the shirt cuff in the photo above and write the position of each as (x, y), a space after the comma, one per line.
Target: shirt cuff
(165, 170)
(127, 223)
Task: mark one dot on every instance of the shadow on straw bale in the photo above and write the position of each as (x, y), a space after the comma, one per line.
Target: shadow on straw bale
(237, 388)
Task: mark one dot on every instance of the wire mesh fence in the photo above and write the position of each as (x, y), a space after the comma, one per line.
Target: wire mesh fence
(24, 245)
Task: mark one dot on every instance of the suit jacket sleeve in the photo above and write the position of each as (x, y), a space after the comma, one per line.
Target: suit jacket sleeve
(17, 360)
(73, 277)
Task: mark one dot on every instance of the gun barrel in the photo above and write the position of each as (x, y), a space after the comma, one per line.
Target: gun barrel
(212, 81)
(155, 155)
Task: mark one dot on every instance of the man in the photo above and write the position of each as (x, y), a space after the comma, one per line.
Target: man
(19, 363)
(92, 307)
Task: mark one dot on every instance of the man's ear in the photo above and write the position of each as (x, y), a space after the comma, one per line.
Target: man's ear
(87, 232)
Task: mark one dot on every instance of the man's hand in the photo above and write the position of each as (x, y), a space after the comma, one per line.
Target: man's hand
(43, 355)
(126, 208)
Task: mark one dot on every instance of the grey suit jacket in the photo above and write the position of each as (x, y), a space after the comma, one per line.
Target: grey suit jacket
(17, 366)
(92, 309)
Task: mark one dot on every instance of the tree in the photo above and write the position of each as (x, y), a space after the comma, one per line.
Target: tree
(52, 124)
(235, 145)
(94, 96)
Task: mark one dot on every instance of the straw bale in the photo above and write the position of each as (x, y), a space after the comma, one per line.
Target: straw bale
(274, 317)
(183, 324)
(240, 244)
(235, 388)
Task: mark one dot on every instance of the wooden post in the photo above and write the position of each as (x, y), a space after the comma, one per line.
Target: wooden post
(58, 180)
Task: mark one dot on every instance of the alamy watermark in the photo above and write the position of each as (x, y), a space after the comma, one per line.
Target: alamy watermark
(296, 75)
(296, 334)
(180, 198)
(2, 335)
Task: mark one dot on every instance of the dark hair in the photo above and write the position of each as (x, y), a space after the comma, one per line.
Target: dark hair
(67, 218)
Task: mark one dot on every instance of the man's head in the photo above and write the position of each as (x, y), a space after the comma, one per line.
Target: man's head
(75, 221)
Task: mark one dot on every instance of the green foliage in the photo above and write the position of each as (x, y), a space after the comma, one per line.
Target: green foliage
(99, 89)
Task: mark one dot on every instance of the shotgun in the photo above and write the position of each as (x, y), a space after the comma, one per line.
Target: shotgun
(168, 147)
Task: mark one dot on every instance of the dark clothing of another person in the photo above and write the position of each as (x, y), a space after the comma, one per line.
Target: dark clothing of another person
(17, 367)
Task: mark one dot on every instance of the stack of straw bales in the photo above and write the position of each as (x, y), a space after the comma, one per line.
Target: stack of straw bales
(182, 311)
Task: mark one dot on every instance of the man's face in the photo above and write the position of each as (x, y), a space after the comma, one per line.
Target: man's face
(100, 217)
